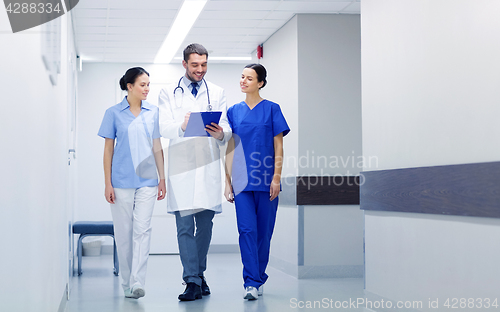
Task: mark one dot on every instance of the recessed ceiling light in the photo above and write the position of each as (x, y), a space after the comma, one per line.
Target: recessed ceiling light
(186, 17)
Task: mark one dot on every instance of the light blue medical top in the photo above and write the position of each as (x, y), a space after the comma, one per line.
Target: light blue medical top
(133, 143)
(255, 130)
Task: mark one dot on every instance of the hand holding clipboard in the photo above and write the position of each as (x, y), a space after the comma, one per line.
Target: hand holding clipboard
(199, 121)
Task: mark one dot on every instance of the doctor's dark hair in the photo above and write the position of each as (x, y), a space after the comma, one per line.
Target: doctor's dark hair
(194, 48)
(130, 76)
(261, 73)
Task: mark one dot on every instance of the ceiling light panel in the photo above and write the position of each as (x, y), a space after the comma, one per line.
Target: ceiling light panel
(313, 6)
(274, 24)
(145, 37)
(133, 59)
(92, 44)
(211, 23)
(142, 14)
(137, 30)
(86, 22)
(132, 49)
(88, 13)
(145, 4)
(88, 50)
(314, 2)
(91, 30)
(230, 31)
(235, 52)
(355, 8)
(241, 5)
(92, 4)
(125, 44)
(215, 38)
(280, 15)
(153, 22)
(245, 0)
(186, 17)
(225, 27)
(233, 45)
(224, 15)
(90, 37)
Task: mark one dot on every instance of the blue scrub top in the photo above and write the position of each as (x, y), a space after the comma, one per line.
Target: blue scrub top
(133, 142)
(255, 130)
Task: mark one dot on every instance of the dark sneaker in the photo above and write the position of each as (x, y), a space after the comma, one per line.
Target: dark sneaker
(191, 293)
(205, 290)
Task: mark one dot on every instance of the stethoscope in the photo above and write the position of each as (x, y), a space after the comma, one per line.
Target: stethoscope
(209, 106)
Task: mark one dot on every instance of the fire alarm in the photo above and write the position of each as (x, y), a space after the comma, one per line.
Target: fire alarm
(260, 51)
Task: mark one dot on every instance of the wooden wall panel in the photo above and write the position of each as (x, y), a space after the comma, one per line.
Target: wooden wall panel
(464, 190)
(339, 190)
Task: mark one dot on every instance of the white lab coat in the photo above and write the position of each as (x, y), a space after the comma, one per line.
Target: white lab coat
(193, 163)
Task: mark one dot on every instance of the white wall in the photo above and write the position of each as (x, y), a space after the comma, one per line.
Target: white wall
(329, 54)
(430, 73)
(98, 90)
(430, 80)
(313, 64)
(285, 240)
(35, 217)
(280, 60)
(333, 236)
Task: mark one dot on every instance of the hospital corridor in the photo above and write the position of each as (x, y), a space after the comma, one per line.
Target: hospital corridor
(253, 156)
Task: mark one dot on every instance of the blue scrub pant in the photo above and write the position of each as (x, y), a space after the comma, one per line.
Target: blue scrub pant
(193, 247)
(255, 215)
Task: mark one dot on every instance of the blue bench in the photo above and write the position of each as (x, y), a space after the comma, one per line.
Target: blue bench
(94, 228)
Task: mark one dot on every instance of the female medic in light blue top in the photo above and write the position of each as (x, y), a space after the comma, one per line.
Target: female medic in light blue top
(131, 170)
(253, 171)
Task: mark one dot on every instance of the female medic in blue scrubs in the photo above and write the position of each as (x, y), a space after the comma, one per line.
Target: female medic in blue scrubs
(253, 171)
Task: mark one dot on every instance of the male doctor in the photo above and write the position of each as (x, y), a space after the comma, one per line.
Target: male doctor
(194, 173)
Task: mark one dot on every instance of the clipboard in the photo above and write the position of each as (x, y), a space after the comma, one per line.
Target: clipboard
(198, 121)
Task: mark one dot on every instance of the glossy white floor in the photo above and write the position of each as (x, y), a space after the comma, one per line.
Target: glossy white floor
(97, 289)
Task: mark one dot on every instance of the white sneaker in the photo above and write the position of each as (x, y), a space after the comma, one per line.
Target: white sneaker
(251, 293)
(137, 292)
(260, 290)
(128, 293)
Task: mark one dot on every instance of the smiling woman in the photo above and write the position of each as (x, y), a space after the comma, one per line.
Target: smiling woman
(258, 130)
(131, 169)
(136, 82)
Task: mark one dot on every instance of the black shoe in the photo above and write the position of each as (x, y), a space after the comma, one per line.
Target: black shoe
(205, 290)
(191, 293)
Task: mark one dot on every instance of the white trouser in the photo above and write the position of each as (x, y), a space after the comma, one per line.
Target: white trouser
(132, 212)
